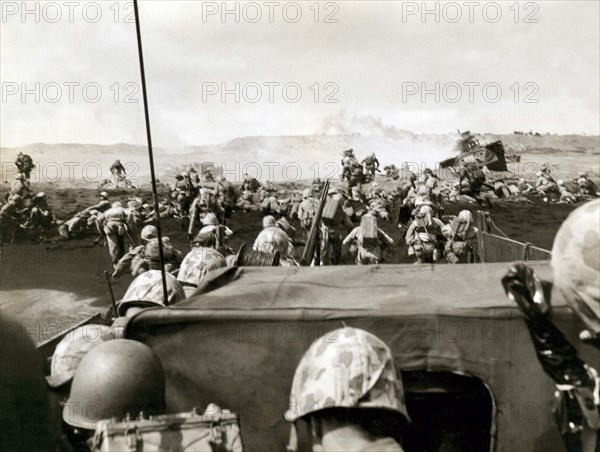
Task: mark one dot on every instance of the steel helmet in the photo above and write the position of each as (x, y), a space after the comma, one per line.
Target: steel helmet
(116, 204)
(41, 195)
(190, 271)
(356, 370)
(268, 221)
(149, 232)
(210, 219)
(24, 407)
(272, 240)
(576, 263)
(146, 291)
(306, 193)
(72, 348)
(114, 379)
(103, 194)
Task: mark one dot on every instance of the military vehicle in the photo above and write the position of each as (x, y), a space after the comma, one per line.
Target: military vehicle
(473, 154)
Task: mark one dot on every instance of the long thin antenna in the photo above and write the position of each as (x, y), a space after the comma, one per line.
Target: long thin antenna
(150, 154)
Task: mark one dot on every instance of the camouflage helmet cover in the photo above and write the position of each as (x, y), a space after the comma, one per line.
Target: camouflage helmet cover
(146, 291)
(194, 263)
(149, 232)
(347, 368)
(576, 262)
(71, 350)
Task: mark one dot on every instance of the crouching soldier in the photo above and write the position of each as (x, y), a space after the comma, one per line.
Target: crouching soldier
(424, 236)
(462, 237)
(367, 240)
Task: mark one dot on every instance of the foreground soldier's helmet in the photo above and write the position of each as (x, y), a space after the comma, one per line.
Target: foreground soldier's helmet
(24, 408)
(354, 370)
(114, 379)
(72, 348)
(149, 232)
(104, 195)
(190, 271)
(576, 263)
(146, 291)
(210, 219)
(116, 204)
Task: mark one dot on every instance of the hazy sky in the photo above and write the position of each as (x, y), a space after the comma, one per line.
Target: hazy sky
(375, 61)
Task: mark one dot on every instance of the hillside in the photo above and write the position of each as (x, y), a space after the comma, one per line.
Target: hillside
(290, 157)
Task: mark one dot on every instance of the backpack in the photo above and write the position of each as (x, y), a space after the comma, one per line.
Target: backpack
(184, 432)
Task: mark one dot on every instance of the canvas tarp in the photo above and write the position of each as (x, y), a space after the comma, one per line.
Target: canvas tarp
(238, 343)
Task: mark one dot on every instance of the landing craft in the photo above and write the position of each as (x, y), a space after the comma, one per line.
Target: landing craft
(471, 376)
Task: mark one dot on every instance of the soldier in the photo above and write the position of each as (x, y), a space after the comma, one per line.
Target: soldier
(462, 238)
(566, 196)
(545, 185)
(116, 379)
(227, 197)
(102, 205)
(118, 171)
(295, 200)
(424, 236)
(10, 217)
(205, 201)
(524, 187)
(371, 164)
(368, 242)
(334, 231)
(577, 275)
(24, 164)
(40, 216)
(211, 233)
(346, 395)
(114, 226)
(586, 185)
(181, 193)
(136, 260)
(272, 240)
(306, 210)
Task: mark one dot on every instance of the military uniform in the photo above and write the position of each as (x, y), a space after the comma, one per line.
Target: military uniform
(24, 164)
(115, 230)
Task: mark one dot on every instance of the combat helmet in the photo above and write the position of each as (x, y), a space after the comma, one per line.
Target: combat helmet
(149, 232)
(115, 379)
(191, 269)
(146, 291)
(72, 348)
(24, 407)
(355, 370)
(576, 264)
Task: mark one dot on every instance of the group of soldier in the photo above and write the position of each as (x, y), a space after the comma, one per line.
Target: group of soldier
(22, 209)
(346, 394)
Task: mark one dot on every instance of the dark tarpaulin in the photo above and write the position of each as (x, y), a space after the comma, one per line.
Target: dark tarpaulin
(238, 344)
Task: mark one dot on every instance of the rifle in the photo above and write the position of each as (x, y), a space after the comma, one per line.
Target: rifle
(112, 295)
(311, 240)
